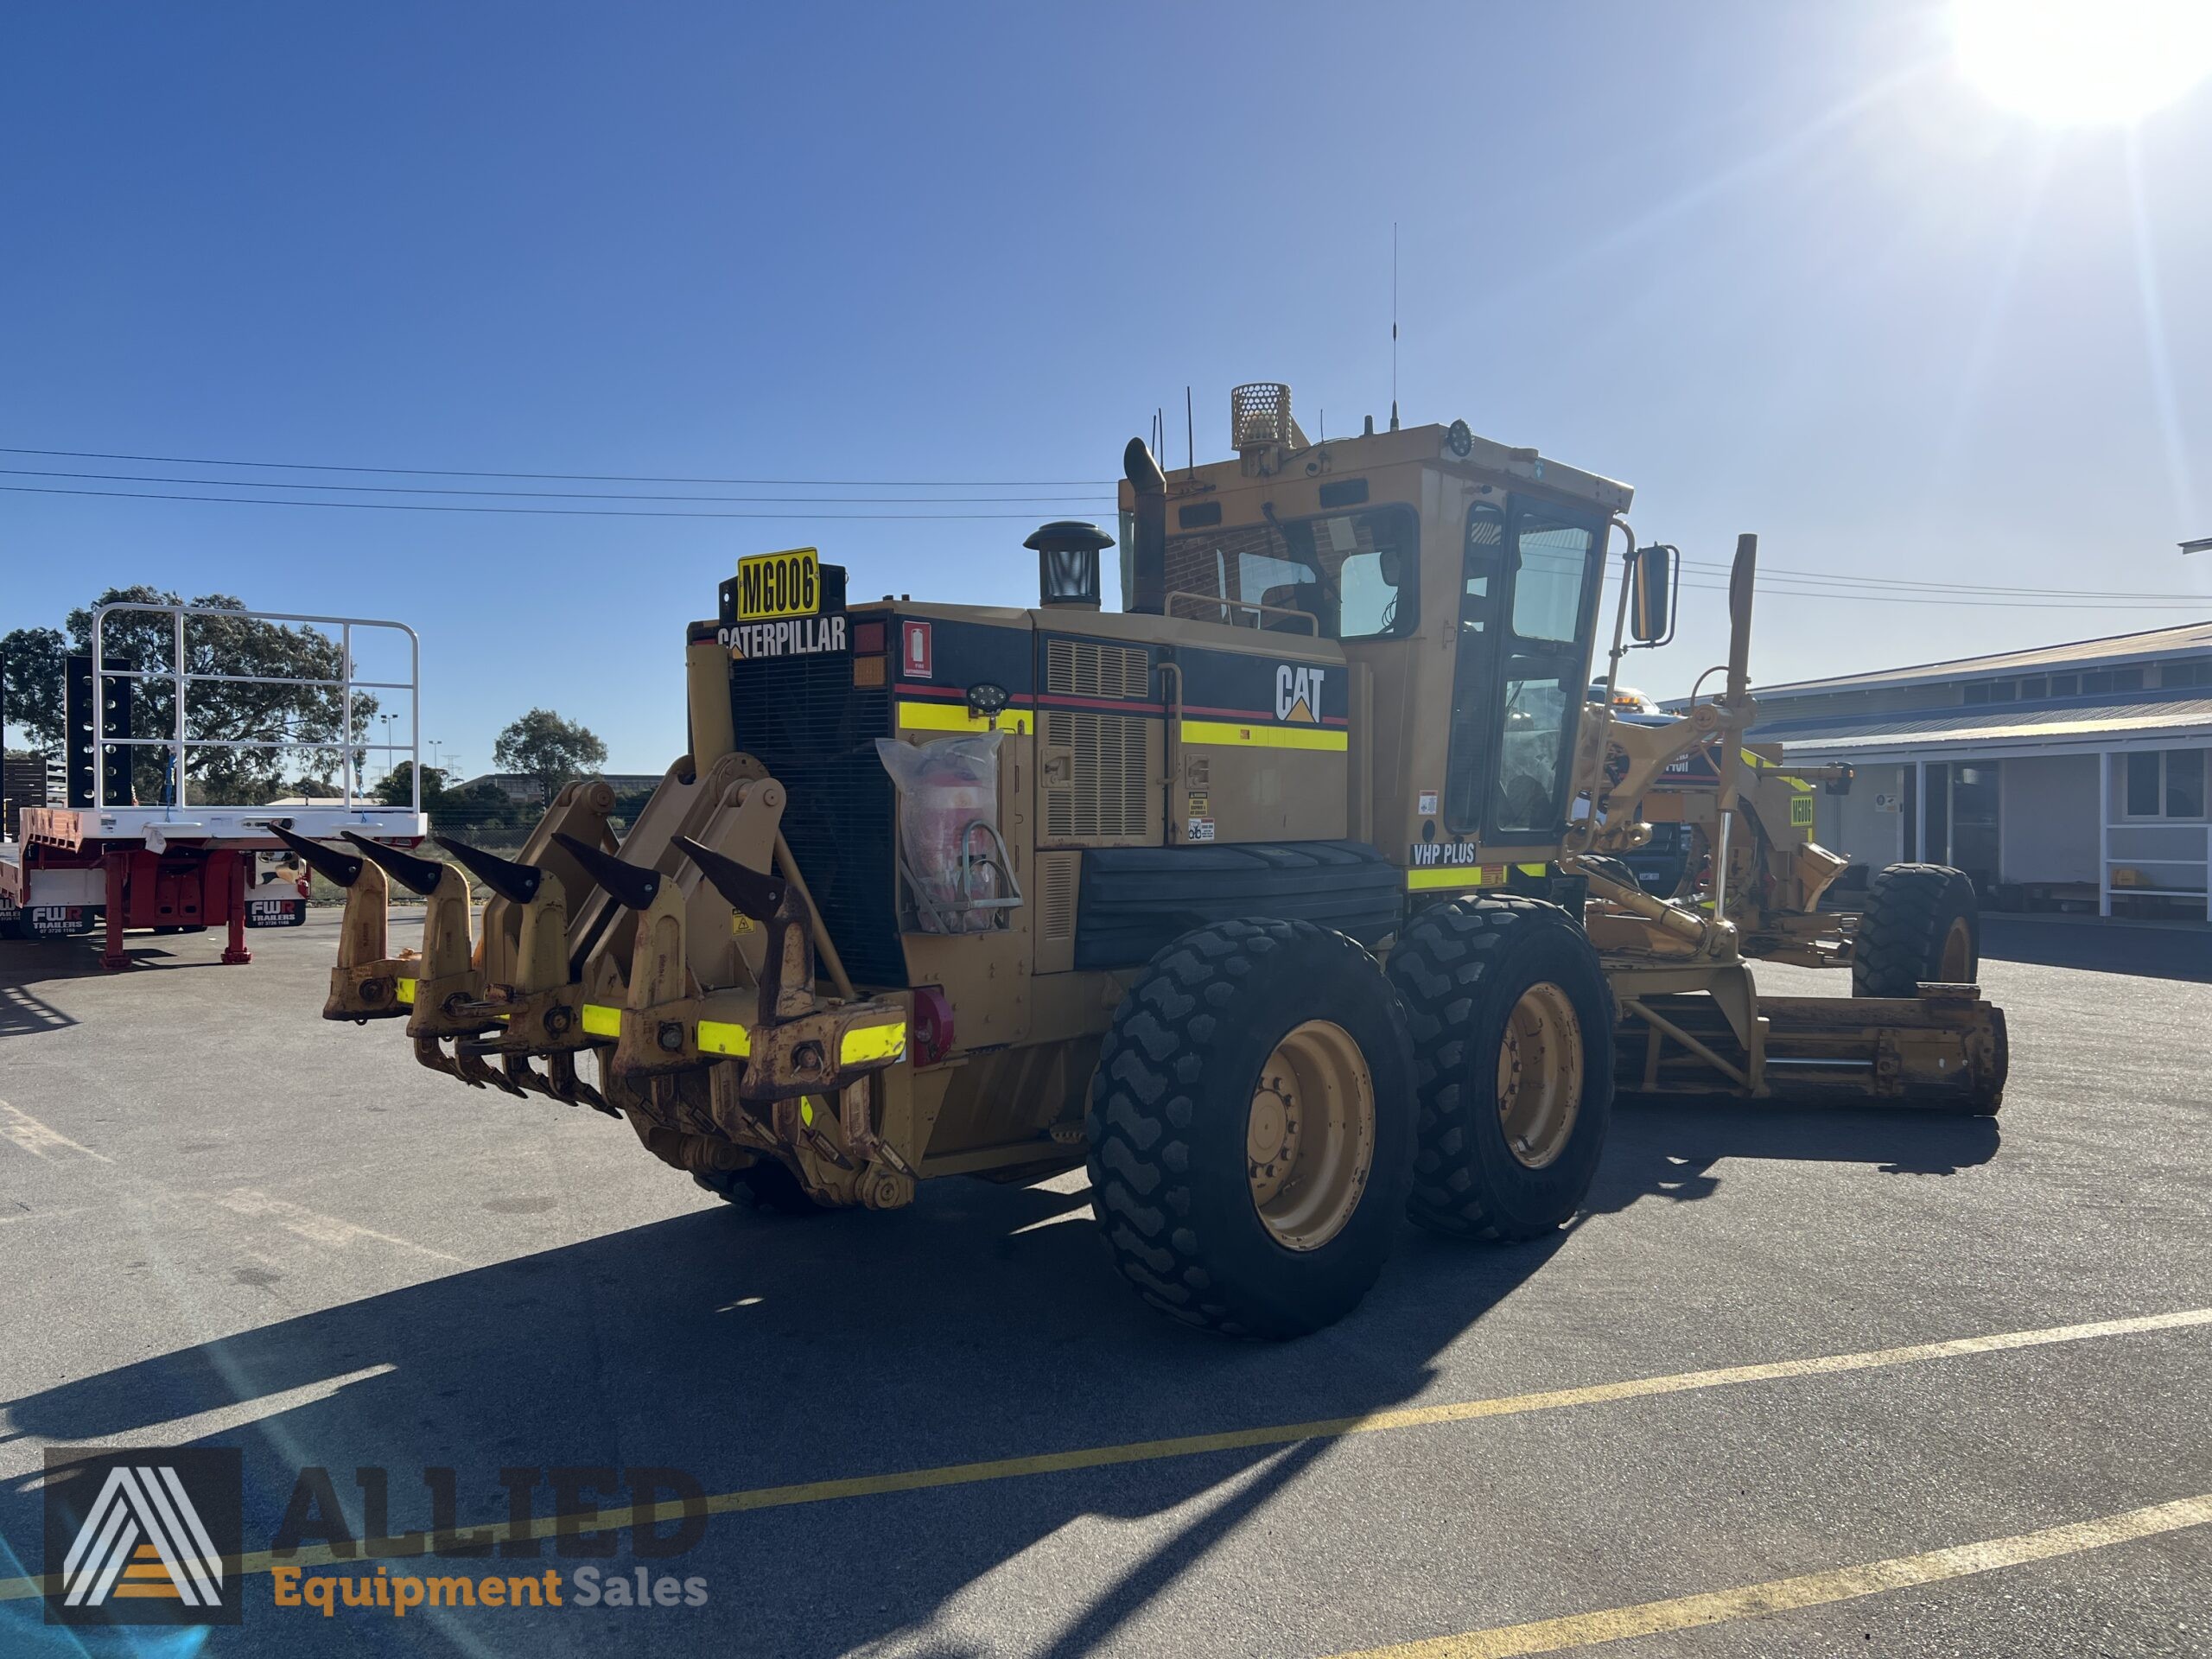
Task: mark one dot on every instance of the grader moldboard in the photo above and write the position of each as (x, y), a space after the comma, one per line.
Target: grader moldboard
(1286, 898)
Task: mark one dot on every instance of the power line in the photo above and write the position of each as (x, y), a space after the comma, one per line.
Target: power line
(543, 512)
(1786, 574)
(564, 495)
(2182, 603)
(580, 478)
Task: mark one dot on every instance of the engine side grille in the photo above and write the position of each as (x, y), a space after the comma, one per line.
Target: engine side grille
(815, 730)
(1056, 881)
(1086, 668)
(1104, 794)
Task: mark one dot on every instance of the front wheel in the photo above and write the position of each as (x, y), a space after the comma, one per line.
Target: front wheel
(1251, 1128)
(1922, 924)
(1513, 1045)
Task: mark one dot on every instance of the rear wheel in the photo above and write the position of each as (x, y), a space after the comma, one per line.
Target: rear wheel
(1251, 1128)
(1922, 924)
(1513, 1046)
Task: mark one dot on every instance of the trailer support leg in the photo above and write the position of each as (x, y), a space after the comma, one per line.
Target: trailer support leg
(116, 865)
(235, 951)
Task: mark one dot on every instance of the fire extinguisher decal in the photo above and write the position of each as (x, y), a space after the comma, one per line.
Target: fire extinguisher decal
(915, 651)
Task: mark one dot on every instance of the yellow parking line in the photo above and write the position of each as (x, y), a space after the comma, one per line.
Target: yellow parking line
(1807, 1590)
(1242, 1439)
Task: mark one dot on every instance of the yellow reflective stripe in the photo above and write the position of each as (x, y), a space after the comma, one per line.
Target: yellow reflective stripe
(1455, 879)
(953, 717)
(601, 1021)
(1263, 736)
(406, 991)
(1460, 877)
(721, 1037)
(1758, 764)
(865, 1043)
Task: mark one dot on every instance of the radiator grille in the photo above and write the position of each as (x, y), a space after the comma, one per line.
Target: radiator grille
(1085, 668)
(805, 720)
(1105, 795)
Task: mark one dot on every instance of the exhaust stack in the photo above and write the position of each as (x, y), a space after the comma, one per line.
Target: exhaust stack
(1144, 570)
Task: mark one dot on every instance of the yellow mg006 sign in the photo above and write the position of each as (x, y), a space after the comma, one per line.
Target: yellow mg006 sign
(778, 584)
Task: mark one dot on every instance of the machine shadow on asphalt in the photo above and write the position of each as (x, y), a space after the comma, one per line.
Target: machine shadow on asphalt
(997, 1295)
(1669, 1151)
(984, 1294)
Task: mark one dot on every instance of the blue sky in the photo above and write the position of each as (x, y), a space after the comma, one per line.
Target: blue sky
(1779, 267)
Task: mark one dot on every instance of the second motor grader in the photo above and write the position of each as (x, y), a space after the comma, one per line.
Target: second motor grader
(1283, 898)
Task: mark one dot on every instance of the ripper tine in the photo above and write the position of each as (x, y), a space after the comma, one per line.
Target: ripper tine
(627, 884)
(340, 869)
(747, 890)
(517, 883)
(415, 875)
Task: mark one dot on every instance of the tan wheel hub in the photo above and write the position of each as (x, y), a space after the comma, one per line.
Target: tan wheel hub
(1540, 1075)
(1957, 965)
(1309, 1135)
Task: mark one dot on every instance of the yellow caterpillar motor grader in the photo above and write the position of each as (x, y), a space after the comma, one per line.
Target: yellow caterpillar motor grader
(1286, 898)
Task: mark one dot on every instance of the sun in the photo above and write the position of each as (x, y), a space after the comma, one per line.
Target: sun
(2084, 63)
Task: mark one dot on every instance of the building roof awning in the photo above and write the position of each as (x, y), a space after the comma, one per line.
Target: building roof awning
(2079, 729)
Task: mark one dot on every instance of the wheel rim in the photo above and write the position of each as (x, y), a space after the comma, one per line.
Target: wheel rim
(1958, 953)
(1540, 1075)
(1309, 1135)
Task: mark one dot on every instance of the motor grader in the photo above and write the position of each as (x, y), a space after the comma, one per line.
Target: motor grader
(1283, 898)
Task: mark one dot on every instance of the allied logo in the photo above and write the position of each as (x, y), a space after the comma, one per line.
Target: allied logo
(1298, 693)
(144, 1537)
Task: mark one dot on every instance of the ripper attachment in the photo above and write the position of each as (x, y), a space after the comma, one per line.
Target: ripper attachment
(419, 875)
(340, 870)
(516, 883)
(630, 885)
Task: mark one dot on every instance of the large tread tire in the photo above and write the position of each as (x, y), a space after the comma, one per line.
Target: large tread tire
(1461, 968)
(1606, 864)
(1168, 1125)
(1910, 911)
(767, 1185)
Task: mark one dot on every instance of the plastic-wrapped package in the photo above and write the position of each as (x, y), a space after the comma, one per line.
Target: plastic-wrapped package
(948, 828)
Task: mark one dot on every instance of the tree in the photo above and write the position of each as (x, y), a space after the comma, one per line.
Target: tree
(396, 787)
(549, 750)
(30, 682)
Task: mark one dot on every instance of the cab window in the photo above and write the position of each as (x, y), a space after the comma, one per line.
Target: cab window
(1356, 574)
(1529, 578)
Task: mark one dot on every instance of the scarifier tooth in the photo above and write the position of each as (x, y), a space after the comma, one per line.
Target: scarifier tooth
(517, 883)
(627, 884)
(415, 875)
(748, 890)
(340, 869)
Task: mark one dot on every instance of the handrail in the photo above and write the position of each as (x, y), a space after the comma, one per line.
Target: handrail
(1218, 601)
(180, 747)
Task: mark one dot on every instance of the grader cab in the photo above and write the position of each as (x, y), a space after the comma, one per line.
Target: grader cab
(1286, 898)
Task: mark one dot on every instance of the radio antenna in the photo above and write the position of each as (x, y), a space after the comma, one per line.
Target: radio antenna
(1393, 325)
(1190, 435)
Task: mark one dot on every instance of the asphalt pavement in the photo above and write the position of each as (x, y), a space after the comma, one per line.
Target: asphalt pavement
(1712, 1417)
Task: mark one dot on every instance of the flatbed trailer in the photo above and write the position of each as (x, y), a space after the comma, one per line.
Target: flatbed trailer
(75, 870)
(181, 865)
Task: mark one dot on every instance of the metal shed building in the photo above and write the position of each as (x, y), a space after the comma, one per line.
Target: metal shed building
(2061, 777)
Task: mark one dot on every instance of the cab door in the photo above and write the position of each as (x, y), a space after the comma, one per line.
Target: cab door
(1530, 573)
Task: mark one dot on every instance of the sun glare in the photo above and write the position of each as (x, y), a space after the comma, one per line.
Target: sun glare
(2083, 62)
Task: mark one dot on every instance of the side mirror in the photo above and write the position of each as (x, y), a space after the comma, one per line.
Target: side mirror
(1652, 576)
